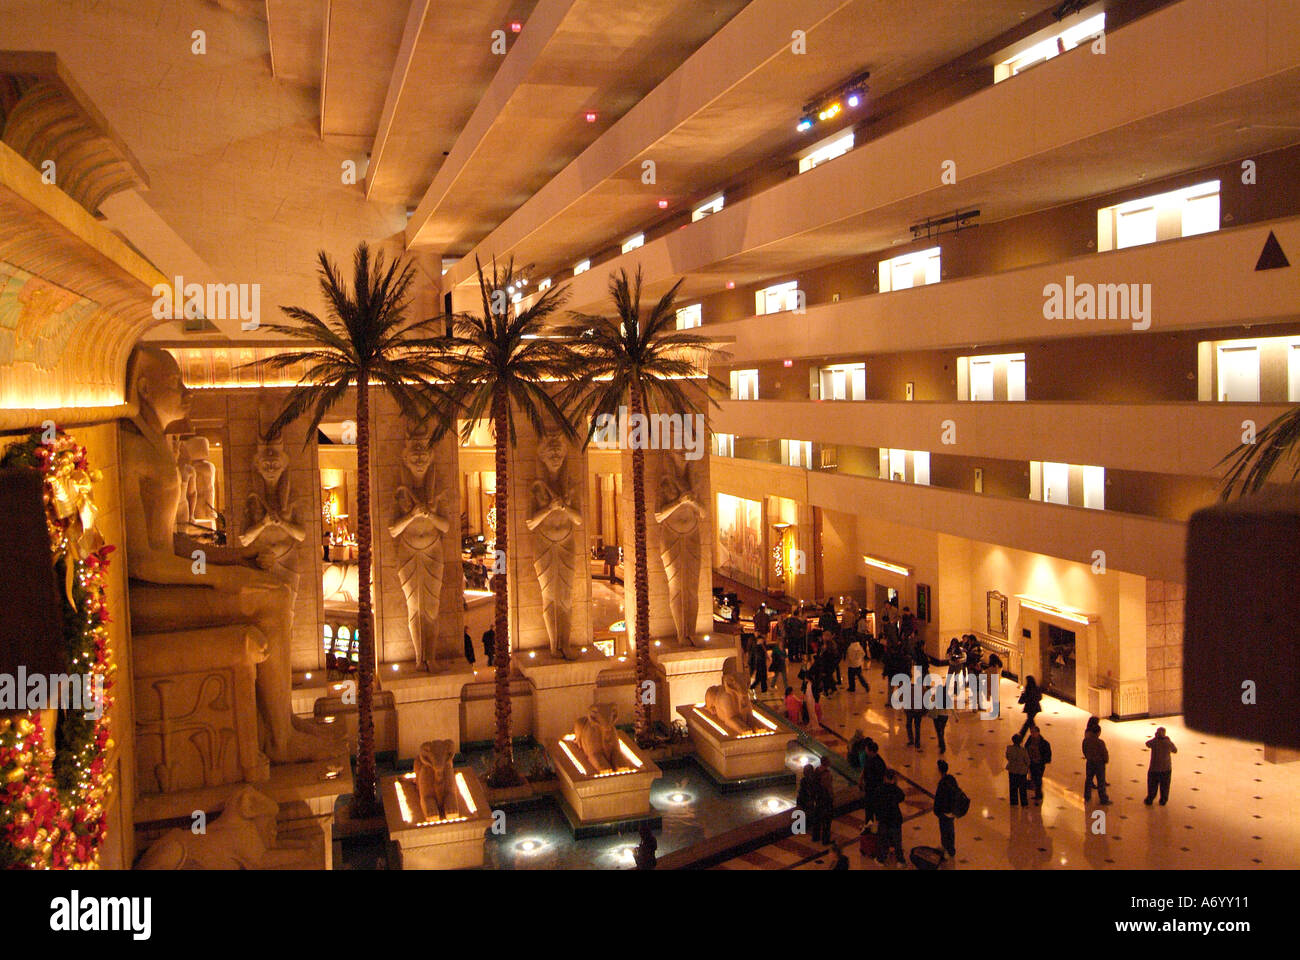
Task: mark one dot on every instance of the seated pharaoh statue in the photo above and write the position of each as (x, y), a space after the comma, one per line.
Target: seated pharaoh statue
(179, 595)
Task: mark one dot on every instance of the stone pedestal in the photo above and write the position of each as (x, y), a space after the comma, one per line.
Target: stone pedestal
(731, 756)
(428, 707)
(692, 670)
(603, 797)
(451, 844)
(332, 709)
(562, 689)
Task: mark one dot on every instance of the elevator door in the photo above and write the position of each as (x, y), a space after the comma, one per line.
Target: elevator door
(1058, 655)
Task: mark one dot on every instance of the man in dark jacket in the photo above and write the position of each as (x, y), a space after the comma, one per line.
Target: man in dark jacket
(1096, 756)
(945, 794)
(889, 817)
(873, 775)
(489, 643)
(761, 621)
(758, 663)
(469, 648)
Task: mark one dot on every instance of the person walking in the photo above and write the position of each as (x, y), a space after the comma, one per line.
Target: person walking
(889, 817)
(793, 637)
(758, 663)
(1032, 698)
(1018, 771)
(1160, 770)
(940, 716)
(825, 800)
(1040, 755)
(1096, 757)
(914, 707)
(855, 657)
(777, 666)
(873, 775)
(828, 621)
(945, 797)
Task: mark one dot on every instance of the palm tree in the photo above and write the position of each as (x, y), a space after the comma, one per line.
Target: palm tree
(364, 341)
(637, 364)
(1254, 463)
(498, 363)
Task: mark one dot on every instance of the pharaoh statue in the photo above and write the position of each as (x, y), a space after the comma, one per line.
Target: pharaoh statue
(418, 525)
(179, 584)
(204, 509)
(554, 523)
(679, 513)
(275, 523)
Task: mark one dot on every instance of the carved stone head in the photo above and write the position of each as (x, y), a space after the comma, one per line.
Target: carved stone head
(552, 451)
(271, 460)
(155, 383)
(417, 451)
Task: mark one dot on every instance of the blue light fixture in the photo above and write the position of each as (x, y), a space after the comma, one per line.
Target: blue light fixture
(805, 123)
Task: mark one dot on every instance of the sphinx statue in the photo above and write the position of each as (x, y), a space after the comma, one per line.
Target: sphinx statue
(679, 513)
(242, 837)
(184, 592)
(418, 526)
(275, 523)
(597, 739)
(730, 704)
(435, 780)
(554, 522)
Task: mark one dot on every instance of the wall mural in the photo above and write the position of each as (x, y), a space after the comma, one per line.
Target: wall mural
(740, 540)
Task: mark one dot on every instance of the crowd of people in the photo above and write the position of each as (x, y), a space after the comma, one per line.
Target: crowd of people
(779, 643)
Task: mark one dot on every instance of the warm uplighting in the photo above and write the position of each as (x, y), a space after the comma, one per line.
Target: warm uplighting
(679, 798)
(532, 654)
(329, 719)
(395, 668)
(768, 725)
(886, 565)
(628, 755)
(307, 677)
(1042, 606)
(529, 846)
(774, 804)
(408, 814)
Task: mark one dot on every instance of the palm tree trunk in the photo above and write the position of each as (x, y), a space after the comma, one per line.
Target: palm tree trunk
(503, 772)
(364, 795)
(644, 718)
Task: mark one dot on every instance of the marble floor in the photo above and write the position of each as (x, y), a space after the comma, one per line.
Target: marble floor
(1228, 808)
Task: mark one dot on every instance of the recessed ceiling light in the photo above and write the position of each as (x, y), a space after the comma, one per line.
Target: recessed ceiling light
(663, 204)
(731, 284)
(515, 26)
(591, 116)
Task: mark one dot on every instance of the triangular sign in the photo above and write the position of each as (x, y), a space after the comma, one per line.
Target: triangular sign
(1272, 257)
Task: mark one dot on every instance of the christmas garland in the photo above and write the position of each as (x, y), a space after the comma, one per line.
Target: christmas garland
(52, 816)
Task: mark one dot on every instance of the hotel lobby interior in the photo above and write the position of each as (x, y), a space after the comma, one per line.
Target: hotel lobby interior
(435, 435)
